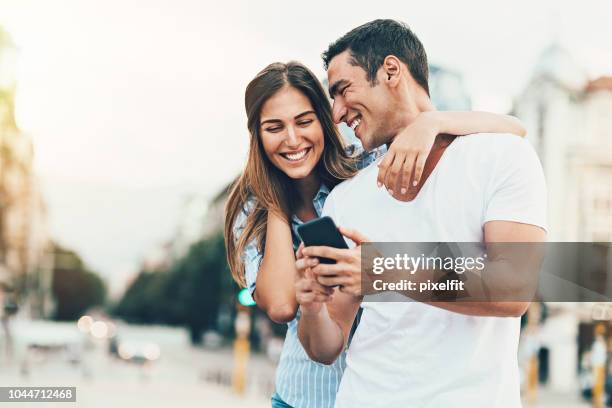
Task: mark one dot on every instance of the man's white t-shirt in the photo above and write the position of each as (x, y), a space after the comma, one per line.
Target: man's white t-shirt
(410, 354)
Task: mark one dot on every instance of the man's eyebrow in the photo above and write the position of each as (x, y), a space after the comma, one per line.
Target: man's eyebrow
(333, 90)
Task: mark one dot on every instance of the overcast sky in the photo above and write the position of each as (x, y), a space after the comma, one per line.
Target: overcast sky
(141, 101)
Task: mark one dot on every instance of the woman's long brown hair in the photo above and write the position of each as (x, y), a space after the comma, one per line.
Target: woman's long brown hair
(269, 188)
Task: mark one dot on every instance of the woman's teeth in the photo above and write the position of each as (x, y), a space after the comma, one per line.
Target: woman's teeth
(355, 123)
(297, 155)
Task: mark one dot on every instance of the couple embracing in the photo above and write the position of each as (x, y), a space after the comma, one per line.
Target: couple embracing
(409, 181)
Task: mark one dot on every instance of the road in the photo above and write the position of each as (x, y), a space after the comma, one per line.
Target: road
(183, 376)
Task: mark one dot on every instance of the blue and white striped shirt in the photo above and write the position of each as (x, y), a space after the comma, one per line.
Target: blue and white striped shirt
(301, 382)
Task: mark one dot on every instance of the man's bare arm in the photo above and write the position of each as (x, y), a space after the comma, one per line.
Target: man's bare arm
(348, 272)
(507, 273)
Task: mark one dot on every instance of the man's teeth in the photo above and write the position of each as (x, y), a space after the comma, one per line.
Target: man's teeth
(296, 156)
(355, 123)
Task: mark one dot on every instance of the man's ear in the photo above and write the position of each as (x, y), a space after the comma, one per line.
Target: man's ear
(392, 69)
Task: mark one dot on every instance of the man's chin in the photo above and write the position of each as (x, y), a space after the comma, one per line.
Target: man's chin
(367, 145)
(372, 142)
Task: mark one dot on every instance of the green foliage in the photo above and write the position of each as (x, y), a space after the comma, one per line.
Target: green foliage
(190, 293)
(74, 287)
(141, 302)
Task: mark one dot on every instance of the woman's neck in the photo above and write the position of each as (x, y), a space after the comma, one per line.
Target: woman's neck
(307, 188)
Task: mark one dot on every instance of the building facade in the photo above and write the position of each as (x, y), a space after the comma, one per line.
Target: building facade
(25, 251)
(569, 122)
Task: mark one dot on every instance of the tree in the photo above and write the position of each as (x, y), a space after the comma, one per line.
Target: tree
(75, 288)
(206, 270)
(141, 302)
(190, 293)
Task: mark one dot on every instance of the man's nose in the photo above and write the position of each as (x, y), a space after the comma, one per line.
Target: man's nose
(338, 111)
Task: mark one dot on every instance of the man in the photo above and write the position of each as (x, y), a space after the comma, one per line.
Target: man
(484, 188)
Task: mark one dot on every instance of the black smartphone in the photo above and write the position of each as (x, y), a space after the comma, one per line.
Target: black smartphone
(322, 232)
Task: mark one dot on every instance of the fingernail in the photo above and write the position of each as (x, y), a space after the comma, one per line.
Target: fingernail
(414, 183)
(379, 184)
(403, 190)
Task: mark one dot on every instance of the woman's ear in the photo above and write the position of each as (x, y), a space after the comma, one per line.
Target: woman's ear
(392, 69)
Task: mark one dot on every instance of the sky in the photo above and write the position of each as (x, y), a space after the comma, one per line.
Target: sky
(135, 105)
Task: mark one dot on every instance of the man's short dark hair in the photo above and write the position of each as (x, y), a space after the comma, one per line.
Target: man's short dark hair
(372, 42)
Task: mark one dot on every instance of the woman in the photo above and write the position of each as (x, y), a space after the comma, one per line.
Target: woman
(296, 156)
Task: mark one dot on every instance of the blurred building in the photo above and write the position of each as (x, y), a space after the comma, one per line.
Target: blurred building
(25, 252)
(214, 218)
(447, 90)
(191, 224)
(569, 122)
(200, 218)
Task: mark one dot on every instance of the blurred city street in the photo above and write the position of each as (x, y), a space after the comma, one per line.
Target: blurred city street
(548, 399)
(183, 376)
(123, 134)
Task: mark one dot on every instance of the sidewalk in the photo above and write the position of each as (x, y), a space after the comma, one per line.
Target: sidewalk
(552, 399)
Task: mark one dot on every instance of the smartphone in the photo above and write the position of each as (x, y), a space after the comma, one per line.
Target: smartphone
(322, 232)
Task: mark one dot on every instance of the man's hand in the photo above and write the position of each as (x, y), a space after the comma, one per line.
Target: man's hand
(346, 272)
(309, 293)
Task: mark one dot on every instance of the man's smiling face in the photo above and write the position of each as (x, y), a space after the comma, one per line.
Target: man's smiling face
(364, 107)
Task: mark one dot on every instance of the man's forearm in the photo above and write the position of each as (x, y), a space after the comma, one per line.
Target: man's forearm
(491, 309)
(508, 292)
(321, 336)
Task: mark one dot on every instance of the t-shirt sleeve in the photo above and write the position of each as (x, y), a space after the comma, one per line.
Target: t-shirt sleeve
(516, 189)
(251, 255)
(328, 207)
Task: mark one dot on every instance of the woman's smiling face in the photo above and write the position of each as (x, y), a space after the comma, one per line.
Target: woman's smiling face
(291, 133)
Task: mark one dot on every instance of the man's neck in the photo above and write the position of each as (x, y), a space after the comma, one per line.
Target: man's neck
(408, 110)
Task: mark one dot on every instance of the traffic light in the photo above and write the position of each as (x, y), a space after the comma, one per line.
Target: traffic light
(245, 298)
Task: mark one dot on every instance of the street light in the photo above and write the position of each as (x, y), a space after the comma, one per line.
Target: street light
(242, 347)
(245, 298)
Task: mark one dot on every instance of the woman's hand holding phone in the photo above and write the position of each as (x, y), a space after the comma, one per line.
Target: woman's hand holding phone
(346, 271)
(309, 293)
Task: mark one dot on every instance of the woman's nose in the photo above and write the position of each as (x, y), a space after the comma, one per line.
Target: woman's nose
(293, 139)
